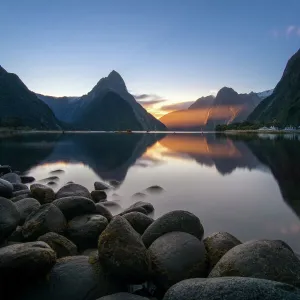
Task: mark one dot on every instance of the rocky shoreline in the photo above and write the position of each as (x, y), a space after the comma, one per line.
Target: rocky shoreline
(68, 245)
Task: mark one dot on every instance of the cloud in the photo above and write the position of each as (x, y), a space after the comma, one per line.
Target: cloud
(150, 103)
(177, 106)
(289, 31)
(142, 96)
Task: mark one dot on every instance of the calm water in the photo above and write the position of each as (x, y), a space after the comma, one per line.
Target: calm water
(246, 185)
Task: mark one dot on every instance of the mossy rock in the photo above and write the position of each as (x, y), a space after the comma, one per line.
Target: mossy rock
(73, 189)
(44, 194)
(139, 221)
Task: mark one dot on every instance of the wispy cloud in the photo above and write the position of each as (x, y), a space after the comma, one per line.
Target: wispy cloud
(150, 103)
(177, 106)
(289, 31)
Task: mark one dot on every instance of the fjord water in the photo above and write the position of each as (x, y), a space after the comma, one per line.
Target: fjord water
(248, 185)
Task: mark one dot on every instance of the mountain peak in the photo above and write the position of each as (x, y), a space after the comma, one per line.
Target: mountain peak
(226, 91)
(2, 70)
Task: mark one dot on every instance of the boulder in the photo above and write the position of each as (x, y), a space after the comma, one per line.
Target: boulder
(52, 183)
(231, 288)
(177, 256)
(123, 296)
(44, 194)
(20, 187)
(217, 244)
(101, 186)
(155, 189)
(74, 278)
(60, 244)
(98, 196)
(47, 218)
(139, 221)
(12, 178)
(27, 179)
(178, 220)
(74, 206)
(103, 211)
(22, 263)
(21, 196)
(6, 188)
(26, 207)
(85, 230)
(263, 259)
(115, 183)
(16, 236)
(111, 204)
(5, 169)
(138, 196)
(140, 204)
(21, 192)
(73, 189)
(9, 218)
(122, 252)
(134, 209)
(59, 171)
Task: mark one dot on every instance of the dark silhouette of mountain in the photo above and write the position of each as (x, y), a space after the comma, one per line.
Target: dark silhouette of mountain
(21, 107)
(203, 103)
(94, 110)
(283, 106)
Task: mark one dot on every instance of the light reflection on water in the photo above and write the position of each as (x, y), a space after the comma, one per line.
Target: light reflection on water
(245, 185)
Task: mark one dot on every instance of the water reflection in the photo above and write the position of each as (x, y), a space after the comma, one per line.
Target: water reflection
(236, 183)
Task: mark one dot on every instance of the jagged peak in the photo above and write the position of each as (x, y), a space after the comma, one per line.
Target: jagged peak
(226, 90)
(2, 70)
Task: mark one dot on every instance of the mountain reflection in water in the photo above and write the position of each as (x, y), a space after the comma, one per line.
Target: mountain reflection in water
(245, 184)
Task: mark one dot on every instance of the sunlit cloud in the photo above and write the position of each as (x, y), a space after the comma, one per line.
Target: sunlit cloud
(213, 92)
(150, 103)
(177, 106)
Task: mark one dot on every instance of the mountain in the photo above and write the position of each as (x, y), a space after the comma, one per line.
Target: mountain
(207, 112)
(21, 107)
(108, 106)
(283, 106)
(263, 95)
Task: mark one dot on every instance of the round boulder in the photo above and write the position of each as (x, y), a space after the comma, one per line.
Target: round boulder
(74, 206)
(21, 196)
(140, 204)
(85, 230)
(74, 278)
(20, 187)
(6, 188)
(101, 186)
(122, 252)
(217, 244)
(17, 236)
(12, 178)
(103, 211)
(98, 196)
(123, 296)
(26, 207)
(139, 221)
(47, 218)
(27, 179)
(44, 194)
(231, 288)
(138, 195)
(178, 220)
(60, 244)
(154, 189)
(21, 263)
(115, 183)
(177, 256)
(263, 259)
(73, 189)
(9, 218)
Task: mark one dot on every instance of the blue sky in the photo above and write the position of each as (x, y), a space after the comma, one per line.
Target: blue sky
(178, 50)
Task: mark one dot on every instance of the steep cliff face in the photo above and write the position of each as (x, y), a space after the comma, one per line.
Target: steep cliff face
(21, 107)
(283, 106)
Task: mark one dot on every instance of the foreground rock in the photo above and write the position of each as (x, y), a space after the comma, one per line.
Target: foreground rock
(21, 263)
(98, 196)
(6, 188)
(5, 169)
(48, 218)
(103, 211)
(12, 178)
(16, 236)
(85, 230)
(231, 288)
(73, 189)
(20, 187)
(122, 252)
(101, 186)
(27, 179)
(74, 278)
(9, 218)
(26, 207)
(218, 244)
(177, 256)
(60, 244)
(42, 193)
(140, 222)
(265, 259)
(140, 206)
(178, 220)
(123, 296)
(74, 206)
(25, 195)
